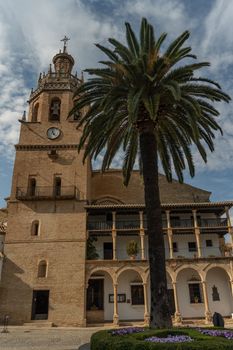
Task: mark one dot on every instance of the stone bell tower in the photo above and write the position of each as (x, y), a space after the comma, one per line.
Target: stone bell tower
(44, 269)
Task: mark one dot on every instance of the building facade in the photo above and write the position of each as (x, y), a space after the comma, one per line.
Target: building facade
(65, 254)
(3, 226)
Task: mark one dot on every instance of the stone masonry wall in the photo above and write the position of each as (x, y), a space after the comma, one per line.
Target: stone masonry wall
(110, 184)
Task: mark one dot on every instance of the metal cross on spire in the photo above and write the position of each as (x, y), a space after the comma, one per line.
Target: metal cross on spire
(65, 40)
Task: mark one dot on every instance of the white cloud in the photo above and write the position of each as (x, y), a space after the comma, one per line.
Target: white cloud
(169, 16)
(29, 37)
(217, 37)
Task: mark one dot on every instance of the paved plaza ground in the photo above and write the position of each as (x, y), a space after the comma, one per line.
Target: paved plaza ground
(22, 338)
(32, 338)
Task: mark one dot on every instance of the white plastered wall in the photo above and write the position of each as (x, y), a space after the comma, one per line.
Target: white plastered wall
(218, 277)
(187, 309)
(126, 310)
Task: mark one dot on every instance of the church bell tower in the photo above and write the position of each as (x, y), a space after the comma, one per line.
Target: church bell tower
(44, 270)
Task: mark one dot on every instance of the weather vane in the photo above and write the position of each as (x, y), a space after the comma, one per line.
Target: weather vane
(65, 40)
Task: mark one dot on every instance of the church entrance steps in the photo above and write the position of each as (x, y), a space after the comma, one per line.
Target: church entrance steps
(39, 324)
(121, 324)
(131, 323)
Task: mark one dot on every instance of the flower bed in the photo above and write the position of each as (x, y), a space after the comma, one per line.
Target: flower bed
(129, 330)
(136, 338)
(218, 333)
(170, 339)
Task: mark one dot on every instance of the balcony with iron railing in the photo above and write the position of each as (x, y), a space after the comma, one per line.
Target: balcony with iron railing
(47, 193)
(176, 224)
(210, 223)
(99, 226)
(121, 225)
(182, 223)
(121, 254)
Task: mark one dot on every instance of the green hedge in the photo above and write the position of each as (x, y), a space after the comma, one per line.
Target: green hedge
(104, 340)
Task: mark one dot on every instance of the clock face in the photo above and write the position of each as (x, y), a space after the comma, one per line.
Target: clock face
(53, 133)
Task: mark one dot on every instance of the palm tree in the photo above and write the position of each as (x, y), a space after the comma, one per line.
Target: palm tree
(141, 104)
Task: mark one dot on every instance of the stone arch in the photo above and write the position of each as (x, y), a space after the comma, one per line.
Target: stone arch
(107, 200)
(42, 271)
(219, 290)
(169, 278)
(35, 112)
(190, 292)
(110, 272)
(141, 272)
(226, 268)
(99, 293)
(131, 284)
(55, 109)
(169, 272)
(192, 267)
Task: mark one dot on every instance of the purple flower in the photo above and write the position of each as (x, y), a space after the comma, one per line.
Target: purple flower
(125, 331)
(170, 339)
(217, 333)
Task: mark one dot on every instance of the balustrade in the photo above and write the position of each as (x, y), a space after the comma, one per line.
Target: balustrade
(135, 224)
(47, 192)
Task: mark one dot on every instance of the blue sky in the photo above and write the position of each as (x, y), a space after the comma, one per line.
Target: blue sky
(30, 34)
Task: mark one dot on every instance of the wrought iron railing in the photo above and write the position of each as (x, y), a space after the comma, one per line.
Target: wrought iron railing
(164, 223)
(135, 224)
(47, 192)
(182, 223)
(218, 222)
(99, 225)
(120, 225)
(127, 224)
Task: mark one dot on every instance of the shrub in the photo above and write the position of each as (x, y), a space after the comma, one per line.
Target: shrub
(132, 248)
(105, 340)
(91, 249)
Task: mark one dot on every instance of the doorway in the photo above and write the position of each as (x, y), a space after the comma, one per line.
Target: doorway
(171, 301)
(95, 294)
(40, 304)
(108, 250)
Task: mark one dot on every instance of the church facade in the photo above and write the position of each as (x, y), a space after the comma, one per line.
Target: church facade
(68, 229)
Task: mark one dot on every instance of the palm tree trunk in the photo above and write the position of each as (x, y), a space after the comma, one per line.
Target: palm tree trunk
(160, 314)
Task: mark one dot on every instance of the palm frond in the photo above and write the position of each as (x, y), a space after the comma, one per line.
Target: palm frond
(139, 84)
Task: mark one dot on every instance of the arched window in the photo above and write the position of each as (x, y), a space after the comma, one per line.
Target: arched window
(35, 228)
(54, 111)
(42, 269)
(35, 112)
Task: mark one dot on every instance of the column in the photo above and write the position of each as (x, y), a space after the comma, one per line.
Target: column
(169, 234)
(228, 217)
(170, 242)
(85, 306)
(146, 312)
(142, 236)
(231, 281)
(114, 236)
(208, 317)
(197, 233)
(177, 315)
(115, 312)
(230, 230)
